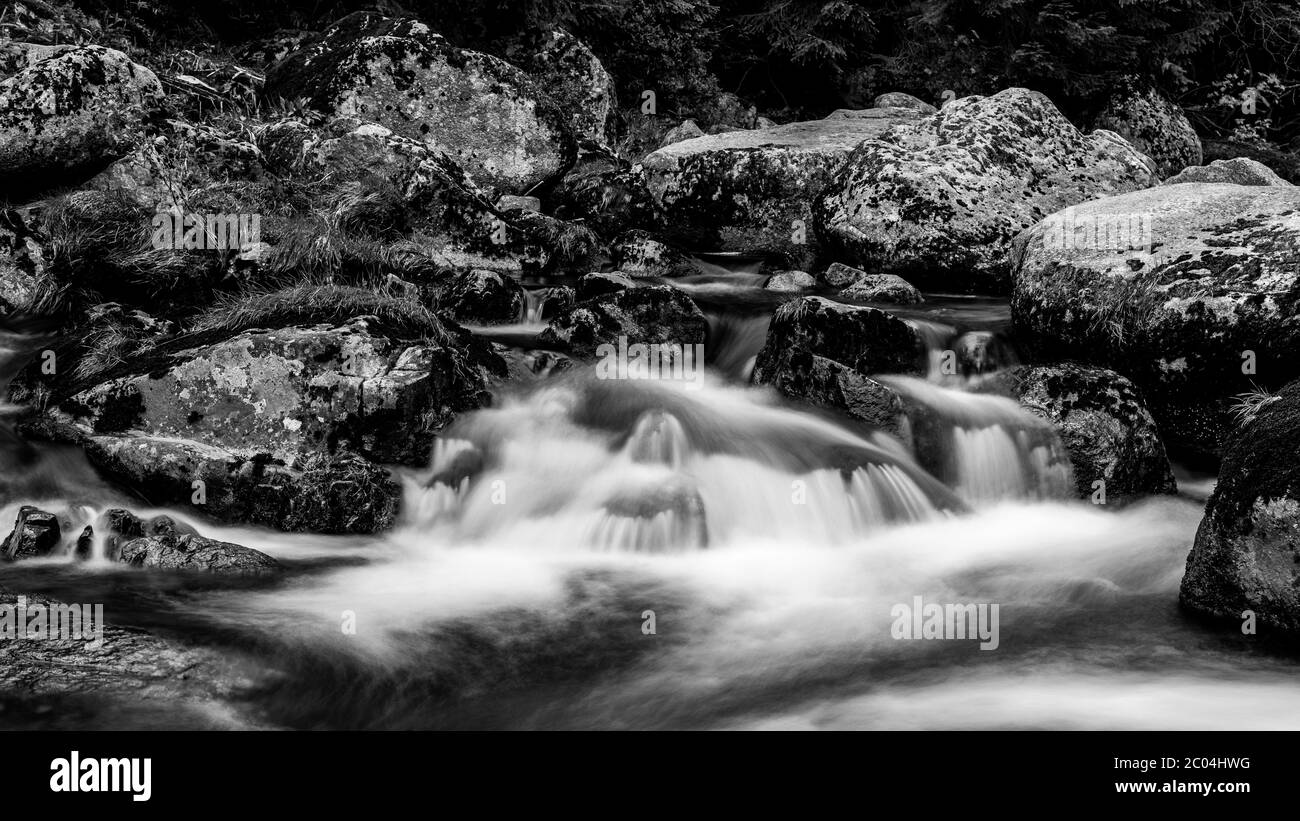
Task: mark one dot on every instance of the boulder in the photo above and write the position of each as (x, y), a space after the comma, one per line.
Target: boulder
(640, 254)
(825, 383)
(598, 284)
(579, 84)
(686, 130)
(1189, 290)
(35, 534)
(1247, 551)
(1154, 125)
(939, 200)
(483, 298)
(1239, 170)
(889, 288)
(292, 391)
(897, 99)
(652, 314)
(22, 260)
(190, 552)
(70, 115)
(753, 190)
(867, 340)
(606, 193)
(479, 110)
(1103, 423)
(791, 281)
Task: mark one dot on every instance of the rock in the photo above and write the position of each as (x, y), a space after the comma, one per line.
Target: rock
(823, 382)
(1239, 170)
(71, 114)
(839, 275)
(606, 193)
(577, 81)
(653, 314)
(686, 130)
(938, 200)
(1247, 550)
(22, 260)
(1103, 423)
(867, 340)
(1285, 164)
(792, 281)
(598, 284)
(983, 352)
(1210, 276)
(640, 254)
(512, 201)
(764, 122)
(35, 534)
(292, 391)
(551, 302)
(483, 298)
(1153, 125)
(897, 99)
(883, 288)
(189, 552)
(481, 111)
(753, 191)
(319, 493)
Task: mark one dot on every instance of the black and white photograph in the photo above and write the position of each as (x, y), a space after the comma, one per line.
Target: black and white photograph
(898, 367)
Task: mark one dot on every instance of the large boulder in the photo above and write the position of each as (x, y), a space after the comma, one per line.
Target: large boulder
(605, 192)
(35, 534)
(579, 84)
(1154, 125)
(483, 112)
(71, 114)
(293, 391)
(1103, 423)
(889, 288)
(825, 383)
(938, 200)
(649, 315)
(1190, 290)
(1247, 551)
(190, 552)
(1238, 170)
(753, 190)
(868, 340)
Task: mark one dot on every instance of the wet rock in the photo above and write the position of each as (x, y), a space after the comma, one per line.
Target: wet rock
(792, 281)
(1208, 288)
(189, 552)
(1247, 550)
(35, 534)
(597, 284)
(653, 314)
(1154, 125)
(1113, 442)
(68, 114)
(479, 110)
(882, 288)
(867, 340)
(640, 254)
(606, 193)
(292, 391)
(577, 81)
(939, 200)
(483, 298)
(823, 382)
(1239, 170)
(753, 190)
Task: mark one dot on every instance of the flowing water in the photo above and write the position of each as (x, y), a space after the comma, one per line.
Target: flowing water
(659, 554)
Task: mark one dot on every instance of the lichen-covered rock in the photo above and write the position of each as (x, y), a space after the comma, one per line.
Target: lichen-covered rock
(641, 254)
(22, 260)
(1239, 170)
(1193, 296)
(939, 200)
(823, 382)
(483, 112)
(791, 281)
(1286, 164)
(1247, 550)
(70, 114)
(839, 275)
(190, 552)
(36, 533)
(577, 81)
(605, 192)
(1154, 125)
(897, 99)
(599, 283)
(685, 130)
(1103, 423)
(882, 288)
(867, 340)
(649, 315)
(483, 298)
(293, 391)
(753, 190)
